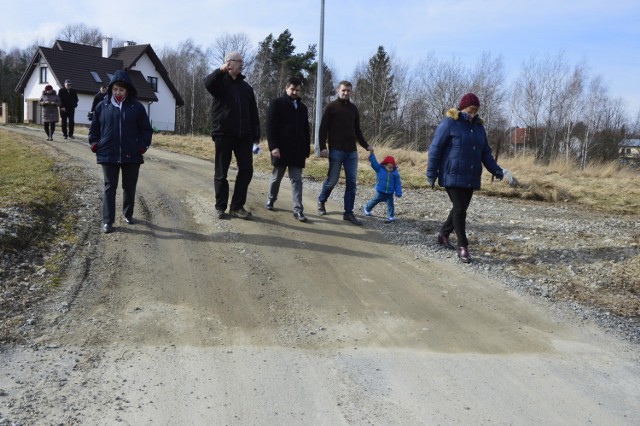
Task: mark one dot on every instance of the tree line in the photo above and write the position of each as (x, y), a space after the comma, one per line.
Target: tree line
(552, 109)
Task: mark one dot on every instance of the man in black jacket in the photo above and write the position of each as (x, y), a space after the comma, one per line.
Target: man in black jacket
(69, 100)
(289, 140)
(235, 127)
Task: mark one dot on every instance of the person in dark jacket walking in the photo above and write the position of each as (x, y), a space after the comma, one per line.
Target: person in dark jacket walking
(289, 139)
(119, 135)
(457, 153)
(235, 128)
(387, 183)
(102, 92)
(339, 130)
(69, 99)
(50, 102)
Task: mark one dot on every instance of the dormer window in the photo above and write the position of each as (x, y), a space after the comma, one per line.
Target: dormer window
(96, 77)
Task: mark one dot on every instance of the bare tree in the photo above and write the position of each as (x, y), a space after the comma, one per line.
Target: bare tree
(187, 66)
(81, 34)
(238, 42)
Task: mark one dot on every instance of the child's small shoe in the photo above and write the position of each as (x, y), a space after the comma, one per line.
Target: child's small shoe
(366, 212)
(391, 219)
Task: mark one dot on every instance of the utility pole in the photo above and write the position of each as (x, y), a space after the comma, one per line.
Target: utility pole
(319, 80)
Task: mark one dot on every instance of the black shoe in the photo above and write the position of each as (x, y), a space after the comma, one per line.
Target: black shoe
(321, 209)
(107, 228)
(463, 254)
(269, 205)
(241, 213)
(64, 137)
(300, 216)
(130, 220)
(220, 214)
(71, 137)
(351, 218)
(444, 242)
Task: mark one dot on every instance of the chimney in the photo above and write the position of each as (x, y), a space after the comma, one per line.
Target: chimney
(106, 47)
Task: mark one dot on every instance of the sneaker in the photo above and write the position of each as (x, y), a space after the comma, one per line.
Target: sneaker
(300, 216)
(390, 220)
(269, 205)
(241, 213)
(366, 212)
(321, 209)
(351, 218)
(220, 214)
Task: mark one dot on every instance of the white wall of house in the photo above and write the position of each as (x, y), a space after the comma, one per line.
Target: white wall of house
(162, 113)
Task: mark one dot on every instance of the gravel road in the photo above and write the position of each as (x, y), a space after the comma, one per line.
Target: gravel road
(184, 319)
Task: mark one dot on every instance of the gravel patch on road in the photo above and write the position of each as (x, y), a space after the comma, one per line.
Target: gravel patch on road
(583, 264)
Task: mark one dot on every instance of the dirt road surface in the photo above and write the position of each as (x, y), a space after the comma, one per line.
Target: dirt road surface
(185, 319)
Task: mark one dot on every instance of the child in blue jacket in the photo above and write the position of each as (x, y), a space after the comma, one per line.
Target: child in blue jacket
(387, 183)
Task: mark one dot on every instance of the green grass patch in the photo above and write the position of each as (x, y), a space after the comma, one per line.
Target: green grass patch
(30, 180)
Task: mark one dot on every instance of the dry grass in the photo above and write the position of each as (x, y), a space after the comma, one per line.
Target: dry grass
(607, 187)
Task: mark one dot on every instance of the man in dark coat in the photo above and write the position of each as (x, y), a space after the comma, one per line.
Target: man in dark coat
(289, 140)
(235, 127)
(69, 100)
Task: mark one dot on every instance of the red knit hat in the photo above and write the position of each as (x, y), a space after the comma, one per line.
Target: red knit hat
(48, 87)
(389, 160)
(468, 100)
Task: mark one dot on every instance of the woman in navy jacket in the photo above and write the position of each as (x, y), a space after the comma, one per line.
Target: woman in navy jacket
(457, 153)
(120, 134)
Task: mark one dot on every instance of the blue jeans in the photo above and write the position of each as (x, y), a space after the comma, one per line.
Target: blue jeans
(379, 198)
(338, 159)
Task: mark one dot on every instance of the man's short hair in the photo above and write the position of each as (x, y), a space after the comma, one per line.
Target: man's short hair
(345, 83)
(294, 81)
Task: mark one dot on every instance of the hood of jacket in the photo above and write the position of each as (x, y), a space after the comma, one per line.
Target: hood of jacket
(123, 77)
(455, 113)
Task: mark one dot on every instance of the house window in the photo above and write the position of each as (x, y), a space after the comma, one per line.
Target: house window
(153, 81)
(96, 77)
(44, 71)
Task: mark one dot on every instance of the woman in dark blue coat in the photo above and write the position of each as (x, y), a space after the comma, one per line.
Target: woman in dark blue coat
(457, 153)
(120, 134)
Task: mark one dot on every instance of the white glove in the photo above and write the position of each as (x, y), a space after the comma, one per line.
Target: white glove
(508, 176)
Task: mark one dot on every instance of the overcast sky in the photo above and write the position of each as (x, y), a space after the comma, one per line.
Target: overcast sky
(604, 35)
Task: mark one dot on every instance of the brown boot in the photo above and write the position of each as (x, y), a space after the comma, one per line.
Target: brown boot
(444, 241)
(463, 254)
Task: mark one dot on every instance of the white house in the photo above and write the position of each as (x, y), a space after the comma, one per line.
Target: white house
(89, 67)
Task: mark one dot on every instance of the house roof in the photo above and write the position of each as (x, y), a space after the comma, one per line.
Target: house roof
(74, 61)
(630, 143)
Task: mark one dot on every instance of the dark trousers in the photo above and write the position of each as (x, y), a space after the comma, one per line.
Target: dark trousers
(460, 198)
(111, 173)
(68, 114)
(49, 128)
(242, 149)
